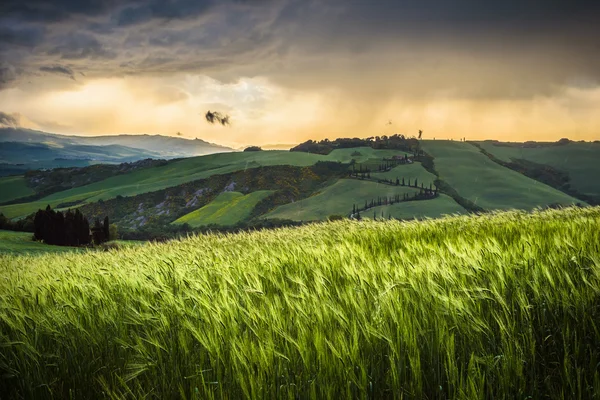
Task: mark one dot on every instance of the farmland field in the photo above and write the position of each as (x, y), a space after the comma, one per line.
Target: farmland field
(504, 306)
(434, 208)
(13, 187)
(186, 170)
(487, 184)
(337, 199)
(407, 171)
(227, 209)
(580, 160)
(22, 242)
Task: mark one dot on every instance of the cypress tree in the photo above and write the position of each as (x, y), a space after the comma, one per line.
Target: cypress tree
(106, 229)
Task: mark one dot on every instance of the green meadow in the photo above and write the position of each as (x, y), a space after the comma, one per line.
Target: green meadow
(181, 171)
(14, 187)
(227, 209)
(23, 243)
(407, 171)
(503, 306)
(487, 184)
(580, 160)
(434, 208)
(338, 199)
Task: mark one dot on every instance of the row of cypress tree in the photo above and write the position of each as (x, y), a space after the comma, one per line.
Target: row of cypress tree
(68, 229)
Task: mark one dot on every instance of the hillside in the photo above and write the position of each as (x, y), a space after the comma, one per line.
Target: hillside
(15, 152)
(496, 306)
(25, 149)
(580, 161)
(228, 208)
(22, 242)
(149, 198)
(485, 183)
(337, 199)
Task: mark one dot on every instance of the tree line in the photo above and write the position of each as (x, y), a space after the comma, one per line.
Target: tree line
(69, 228)
(326, 146)
(423, 194)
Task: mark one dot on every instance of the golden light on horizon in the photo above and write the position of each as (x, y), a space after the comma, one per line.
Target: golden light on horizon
(263, 112)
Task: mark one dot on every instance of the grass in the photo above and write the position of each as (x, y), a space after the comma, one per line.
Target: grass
(337, 199)
(227, 209)
(23, 243)
(14, 187)
(579, 160)
(407, 171)
(434, 208)
(182, 171)
(477, 178)
(496, 306)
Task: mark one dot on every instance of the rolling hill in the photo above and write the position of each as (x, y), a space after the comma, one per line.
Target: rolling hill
(434, 208)
(310, 187)
(229, 208)
(485, 183)
(25, 149)
(14, 187)
(179, 172)
(166, 146)
(581, 161)
(338, 199)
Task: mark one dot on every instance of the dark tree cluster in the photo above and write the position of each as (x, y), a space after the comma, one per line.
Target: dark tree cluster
(253, 148)
(56, 228)
(101, 231)
(326, 146)
(21, 225)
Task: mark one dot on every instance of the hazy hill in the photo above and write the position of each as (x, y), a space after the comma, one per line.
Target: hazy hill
(18, 152)
(25, 149)
(166, 146)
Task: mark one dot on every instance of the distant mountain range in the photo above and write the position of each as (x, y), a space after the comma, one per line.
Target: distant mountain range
(24, 149)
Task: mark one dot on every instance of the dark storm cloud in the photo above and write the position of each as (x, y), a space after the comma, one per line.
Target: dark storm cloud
(28, 36)
(8, 74)
(310, 43)
(80, 46)
(56, 10)
(58, 69)
(159, 9)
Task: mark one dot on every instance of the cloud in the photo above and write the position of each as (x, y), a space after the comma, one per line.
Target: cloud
(28, 36)
(9, 120)
(8, 74)
(162, 10)
(55, 11)
(80, 46)
(59, 69)
(356, 57)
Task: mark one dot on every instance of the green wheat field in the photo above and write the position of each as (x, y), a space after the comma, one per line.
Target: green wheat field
(503, 306)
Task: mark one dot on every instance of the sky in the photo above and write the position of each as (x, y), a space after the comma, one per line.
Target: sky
(291, 70)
